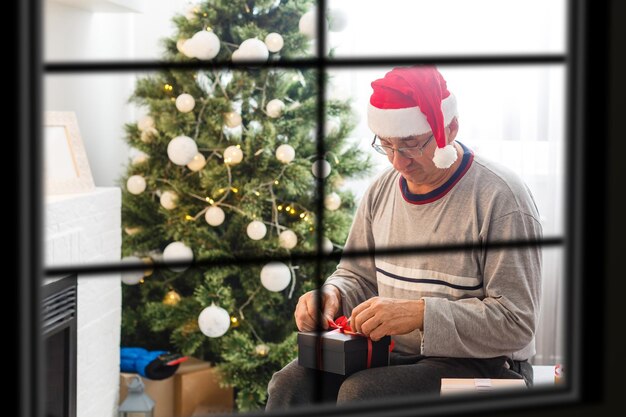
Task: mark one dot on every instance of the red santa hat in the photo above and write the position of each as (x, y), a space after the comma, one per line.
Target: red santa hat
(413, 101)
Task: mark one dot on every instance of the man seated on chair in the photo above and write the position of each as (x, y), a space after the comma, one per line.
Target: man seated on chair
(462, 313)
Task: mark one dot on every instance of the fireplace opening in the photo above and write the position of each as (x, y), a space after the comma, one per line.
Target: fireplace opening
(59, 338)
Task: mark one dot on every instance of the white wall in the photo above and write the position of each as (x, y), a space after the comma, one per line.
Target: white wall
(100, 100)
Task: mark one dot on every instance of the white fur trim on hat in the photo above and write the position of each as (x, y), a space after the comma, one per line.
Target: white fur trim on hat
(400, 123)
(445, 157)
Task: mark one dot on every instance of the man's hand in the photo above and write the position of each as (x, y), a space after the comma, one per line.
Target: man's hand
(381, 316)
(306, 310)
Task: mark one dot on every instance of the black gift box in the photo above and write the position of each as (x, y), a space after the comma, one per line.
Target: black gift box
(340, 353)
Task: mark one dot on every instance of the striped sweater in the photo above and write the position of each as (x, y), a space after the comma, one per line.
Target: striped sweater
(478, 303)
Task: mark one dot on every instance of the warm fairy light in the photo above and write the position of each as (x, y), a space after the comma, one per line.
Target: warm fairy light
(221, 190)
(302, 215)
(227, 160)
(234, 322)
(204, 14)
(288, 208)
(188, 217)
(239, 146)
(293, 211)
(168, 87)
(311, 229)
(171, 298)
(276, 182)
(210, 200)
(142, 281)
(209, 29)
(280, 207)
(172, 99)
(234, 190)
(257, 193)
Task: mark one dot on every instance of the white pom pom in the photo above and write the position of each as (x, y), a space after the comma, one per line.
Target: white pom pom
(445, 157)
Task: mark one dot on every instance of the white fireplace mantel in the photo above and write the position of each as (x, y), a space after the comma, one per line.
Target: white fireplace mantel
(84, 229)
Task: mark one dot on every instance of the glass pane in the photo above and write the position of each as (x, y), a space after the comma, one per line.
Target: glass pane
(432, 28)
(217, 164)
(236, 317)
(518, 125)
(114, 30)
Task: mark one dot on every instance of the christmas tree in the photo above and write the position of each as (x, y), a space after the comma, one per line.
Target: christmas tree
(225, 169)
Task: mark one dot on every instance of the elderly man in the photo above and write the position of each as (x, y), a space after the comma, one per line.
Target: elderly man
(467, 313)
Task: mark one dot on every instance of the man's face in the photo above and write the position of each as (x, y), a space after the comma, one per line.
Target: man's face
(411, 164)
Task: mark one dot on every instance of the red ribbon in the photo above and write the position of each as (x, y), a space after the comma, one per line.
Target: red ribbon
(342, 325)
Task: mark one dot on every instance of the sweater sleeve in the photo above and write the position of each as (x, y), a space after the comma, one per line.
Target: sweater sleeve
(503, 322)
(355, 277)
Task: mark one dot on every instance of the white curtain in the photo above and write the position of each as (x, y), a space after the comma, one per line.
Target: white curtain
(511, 114)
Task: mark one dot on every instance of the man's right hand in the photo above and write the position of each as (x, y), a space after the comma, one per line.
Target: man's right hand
(306, 310)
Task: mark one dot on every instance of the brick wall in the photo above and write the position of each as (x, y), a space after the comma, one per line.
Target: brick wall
(80, 229)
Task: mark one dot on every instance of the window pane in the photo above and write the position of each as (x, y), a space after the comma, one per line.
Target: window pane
(114, 30)
(426, 28)
(513, 116)
(219, 164)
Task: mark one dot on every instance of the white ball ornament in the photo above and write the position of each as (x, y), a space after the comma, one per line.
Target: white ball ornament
(131, 277)
(274, 42)
(233, 155)
(321, 168)
(197, 163)
(177, 252)
(169, 200)
(148, 134)
(275, 276)
(140, 158)
(332, 201)
(238, 56)
(214, 321)
(205, 45)
(136, 184)
(275, 108)
(181, 150)
(285, 153)
(308, 24)
(185, 103)
(338, 20)
(187, 49)
(214, 216)
(327, 245)
(256, 230)
(232, 119)
(254, 49)
(288, 239)
(145, 123)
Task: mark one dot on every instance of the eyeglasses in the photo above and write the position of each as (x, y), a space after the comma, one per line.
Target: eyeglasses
(409, 152)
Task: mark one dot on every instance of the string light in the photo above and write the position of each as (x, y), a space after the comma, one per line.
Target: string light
(209, 28)
(302, 215)
(293, 211)
(171, 298)
(280, 208)
(276, 182)
(188, 217)
(288, 208)
(234, 190)
(221, 190)
(168, 87)
(257, 193)
(234, 322)
(210, 200)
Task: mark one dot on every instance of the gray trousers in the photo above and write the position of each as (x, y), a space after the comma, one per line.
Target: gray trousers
(295, 386)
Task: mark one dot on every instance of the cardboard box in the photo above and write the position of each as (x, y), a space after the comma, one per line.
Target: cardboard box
(478, 385)
(196, 385)
(162, 392)
(340, 353)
